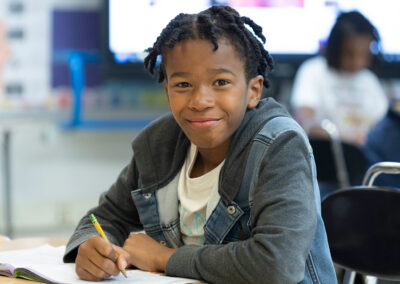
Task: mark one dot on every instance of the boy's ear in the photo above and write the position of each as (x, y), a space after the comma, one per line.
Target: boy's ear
(255, 88)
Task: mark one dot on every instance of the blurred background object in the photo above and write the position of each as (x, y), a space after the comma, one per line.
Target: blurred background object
(4, 53)
(383, 144)
(338, 85)
(362, 227)
(341, 85)
(75, 92)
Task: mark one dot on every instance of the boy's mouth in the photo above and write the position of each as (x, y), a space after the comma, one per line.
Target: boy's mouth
(202, 123)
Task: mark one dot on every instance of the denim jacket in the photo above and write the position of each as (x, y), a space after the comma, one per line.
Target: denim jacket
(266, 227)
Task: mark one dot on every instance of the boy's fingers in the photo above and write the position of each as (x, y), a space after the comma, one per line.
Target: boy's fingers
(123, 259)
(96, 271)
(88, 270)
(100, 254)
(120, 251)
(122, 263)
(105, 264)
(106, 249)
(86, 275)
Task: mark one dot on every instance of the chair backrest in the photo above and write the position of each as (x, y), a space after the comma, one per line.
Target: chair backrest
(363, 228)
(327, 168)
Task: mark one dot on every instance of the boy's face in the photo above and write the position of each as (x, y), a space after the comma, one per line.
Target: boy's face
(207, 91)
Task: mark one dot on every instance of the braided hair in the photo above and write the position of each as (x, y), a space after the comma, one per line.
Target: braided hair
(213, 24)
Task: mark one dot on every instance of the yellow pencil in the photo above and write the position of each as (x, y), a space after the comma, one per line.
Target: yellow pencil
(101, 233)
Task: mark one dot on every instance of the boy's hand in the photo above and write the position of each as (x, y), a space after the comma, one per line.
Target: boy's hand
(147, 254)
(98, 259)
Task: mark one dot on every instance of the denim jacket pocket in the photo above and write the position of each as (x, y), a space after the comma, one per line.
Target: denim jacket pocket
(240, 230)
(146, 205)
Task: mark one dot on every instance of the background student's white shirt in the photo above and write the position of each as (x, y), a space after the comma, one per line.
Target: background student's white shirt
(354, 102)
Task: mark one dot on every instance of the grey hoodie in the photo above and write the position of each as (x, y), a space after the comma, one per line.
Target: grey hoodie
(284, 241)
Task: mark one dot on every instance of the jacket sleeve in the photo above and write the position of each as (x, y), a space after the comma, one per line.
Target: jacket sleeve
(116, 213)
(282, 227)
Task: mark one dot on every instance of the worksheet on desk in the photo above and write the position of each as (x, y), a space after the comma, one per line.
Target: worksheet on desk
(47, 261)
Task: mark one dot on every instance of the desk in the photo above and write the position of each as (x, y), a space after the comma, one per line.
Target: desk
(26, 243)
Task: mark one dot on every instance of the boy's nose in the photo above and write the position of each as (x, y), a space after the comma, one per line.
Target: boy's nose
(202, 98)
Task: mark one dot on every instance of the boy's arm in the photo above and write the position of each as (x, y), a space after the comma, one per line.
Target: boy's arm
(116, 213)
(283, 226)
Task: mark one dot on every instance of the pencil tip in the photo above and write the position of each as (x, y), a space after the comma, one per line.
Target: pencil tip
(124, 273)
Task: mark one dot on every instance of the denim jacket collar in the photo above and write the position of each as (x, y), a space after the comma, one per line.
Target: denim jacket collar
(151, 150)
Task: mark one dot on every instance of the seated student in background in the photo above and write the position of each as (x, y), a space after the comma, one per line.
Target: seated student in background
(383, 144)
(224, 186)
(338, 84)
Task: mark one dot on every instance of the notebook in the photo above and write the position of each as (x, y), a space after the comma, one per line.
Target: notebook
(44, 264)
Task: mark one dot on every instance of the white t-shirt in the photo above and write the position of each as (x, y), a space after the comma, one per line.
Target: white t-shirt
(352, 101)
(197, 199)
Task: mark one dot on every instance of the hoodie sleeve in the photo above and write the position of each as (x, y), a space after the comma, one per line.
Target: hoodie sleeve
(283, 225)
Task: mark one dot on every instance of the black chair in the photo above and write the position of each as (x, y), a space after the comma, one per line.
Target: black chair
(363, 227)
(339, 163)
(328, 168)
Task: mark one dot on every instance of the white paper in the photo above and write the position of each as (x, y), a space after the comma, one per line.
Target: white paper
(47, 261)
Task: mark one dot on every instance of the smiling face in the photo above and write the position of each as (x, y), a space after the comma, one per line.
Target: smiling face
(208, 93)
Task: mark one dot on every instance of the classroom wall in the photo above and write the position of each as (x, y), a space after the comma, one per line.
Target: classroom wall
(28, 73)
(57, 176)
(58, 173)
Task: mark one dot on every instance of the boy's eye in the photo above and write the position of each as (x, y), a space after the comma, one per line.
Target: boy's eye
(221, 82)
(183, 85)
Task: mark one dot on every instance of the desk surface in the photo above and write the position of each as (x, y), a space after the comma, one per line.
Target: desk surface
(26, 243)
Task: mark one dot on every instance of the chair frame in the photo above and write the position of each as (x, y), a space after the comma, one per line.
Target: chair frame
(372, 173)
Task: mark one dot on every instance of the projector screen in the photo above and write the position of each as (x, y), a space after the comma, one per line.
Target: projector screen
(291, 27)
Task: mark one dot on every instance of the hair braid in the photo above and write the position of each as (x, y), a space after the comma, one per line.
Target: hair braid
(256, 28)
(213, 24)
(205, 26)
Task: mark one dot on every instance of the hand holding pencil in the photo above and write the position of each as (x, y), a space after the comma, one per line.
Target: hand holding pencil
(97, 259)
(101, 233)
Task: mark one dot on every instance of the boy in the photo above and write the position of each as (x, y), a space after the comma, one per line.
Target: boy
(224, 187)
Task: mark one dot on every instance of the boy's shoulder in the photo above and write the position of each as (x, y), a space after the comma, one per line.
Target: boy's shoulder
(159, 129)
(268, 119)
(280, 124)
(276, 120)
(165, 120)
